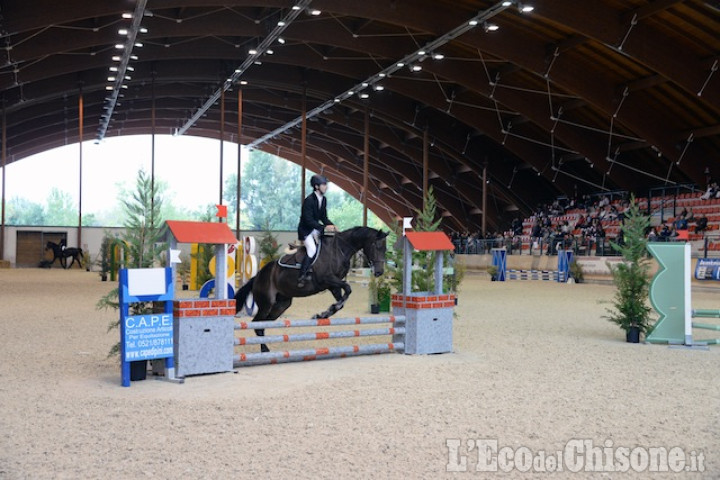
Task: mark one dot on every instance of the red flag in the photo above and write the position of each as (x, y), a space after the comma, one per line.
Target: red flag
(221, 211)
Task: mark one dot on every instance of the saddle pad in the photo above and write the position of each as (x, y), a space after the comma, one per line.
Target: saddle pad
(294, 260)
(291, 260)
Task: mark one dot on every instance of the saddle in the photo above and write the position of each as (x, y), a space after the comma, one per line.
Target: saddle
(294, 259)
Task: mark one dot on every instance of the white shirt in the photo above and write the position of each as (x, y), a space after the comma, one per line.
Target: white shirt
(319, 197)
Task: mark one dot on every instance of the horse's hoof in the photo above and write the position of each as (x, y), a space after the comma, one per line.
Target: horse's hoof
(264, 348)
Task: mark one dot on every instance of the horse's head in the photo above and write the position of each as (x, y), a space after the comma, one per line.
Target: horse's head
(50, 246)
(374, 248)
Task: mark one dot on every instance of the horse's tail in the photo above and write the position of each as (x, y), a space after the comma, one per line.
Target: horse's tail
(242, 294)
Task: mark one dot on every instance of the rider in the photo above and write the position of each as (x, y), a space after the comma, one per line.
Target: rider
(313, 220)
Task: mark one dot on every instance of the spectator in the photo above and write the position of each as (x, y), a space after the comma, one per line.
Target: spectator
(711, 192)
(681, 223)
(516, 226)
(536, 234)
(701, 224)
(653, 235)
(665, 233)
(691, 216)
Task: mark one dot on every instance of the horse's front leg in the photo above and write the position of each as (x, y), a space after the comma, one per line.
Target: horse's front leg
(341, 292)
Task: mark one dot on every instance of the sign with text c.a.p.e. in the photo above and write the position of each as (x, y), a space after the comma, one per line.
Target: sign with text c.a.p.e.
(148, 337)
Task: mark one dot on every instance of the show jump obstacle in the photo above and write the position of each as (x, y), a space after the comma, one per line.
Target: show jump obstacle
(562, 274)
(421, 322)
(671, 297)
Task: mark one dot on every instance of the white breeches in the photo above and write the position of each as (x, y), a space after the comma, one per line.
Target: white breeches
(311, 242)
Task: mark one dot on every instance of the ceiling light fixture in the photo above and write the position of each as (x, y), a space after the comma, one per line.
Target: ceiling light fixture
(263, 46)
(524, 8)
(410, 59)
(122, 67)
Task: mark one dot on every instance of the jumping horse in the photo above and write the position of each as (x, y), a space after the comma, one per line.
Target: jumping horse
(63, 253)
(275, 285)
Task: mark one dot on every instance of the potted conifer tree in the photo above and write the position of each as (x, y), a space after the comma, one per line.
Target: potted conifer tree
(630, 308)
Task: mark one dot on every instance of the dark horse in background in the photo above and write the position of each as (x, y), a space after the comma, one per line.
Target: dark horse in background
(63, 253)
(274, 287)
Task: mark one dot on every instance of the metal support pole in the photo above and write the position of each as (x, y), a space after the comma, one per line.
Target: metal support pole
(4, 164)
(426, 147)
(222, 143)
(303, 135)
(366, 166)
(152, 152)
(80, 170)
(484, 200)
(239, 166)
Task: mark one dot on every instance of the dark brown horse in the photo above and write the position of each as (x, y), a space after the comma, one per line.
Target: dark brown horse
(63, 253)
(274, 287)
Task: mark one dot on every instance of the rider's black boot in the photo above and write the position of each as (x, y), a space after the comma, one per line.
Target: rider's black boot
(304, 276)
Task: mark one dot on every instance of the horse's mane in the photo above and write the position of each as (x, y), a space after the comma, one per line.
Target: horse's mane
(357, 235)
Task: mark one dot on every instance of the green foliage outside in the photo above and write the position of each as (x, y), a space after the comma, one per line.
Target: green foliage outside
(60, 210)
(270, 196)
(631, 277)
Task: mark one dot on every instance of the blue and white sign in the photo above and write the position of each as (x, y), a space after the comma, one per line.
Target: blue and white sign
(148, 337)
(708, 269)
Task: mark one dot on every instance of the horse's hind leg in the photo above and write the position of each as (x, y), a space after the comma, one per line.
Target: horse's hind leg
(281, 304)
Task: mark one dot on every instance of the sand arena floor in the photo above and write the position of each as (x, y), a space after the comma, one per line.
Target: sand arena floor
(534, 366)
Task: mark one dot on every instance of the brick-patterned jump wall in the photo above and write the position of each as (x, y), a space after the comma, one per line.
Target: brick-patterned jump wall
(418, 302)
(203, 307)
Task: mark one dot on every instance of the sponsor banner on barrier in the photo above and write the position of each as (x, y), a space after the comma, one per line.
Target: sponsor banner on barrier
(148, 337)
(708, 269)
(597, 265)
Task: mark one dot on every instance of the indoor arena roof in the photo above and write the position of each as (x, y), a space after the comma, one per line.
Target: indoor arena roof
(569, 97)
